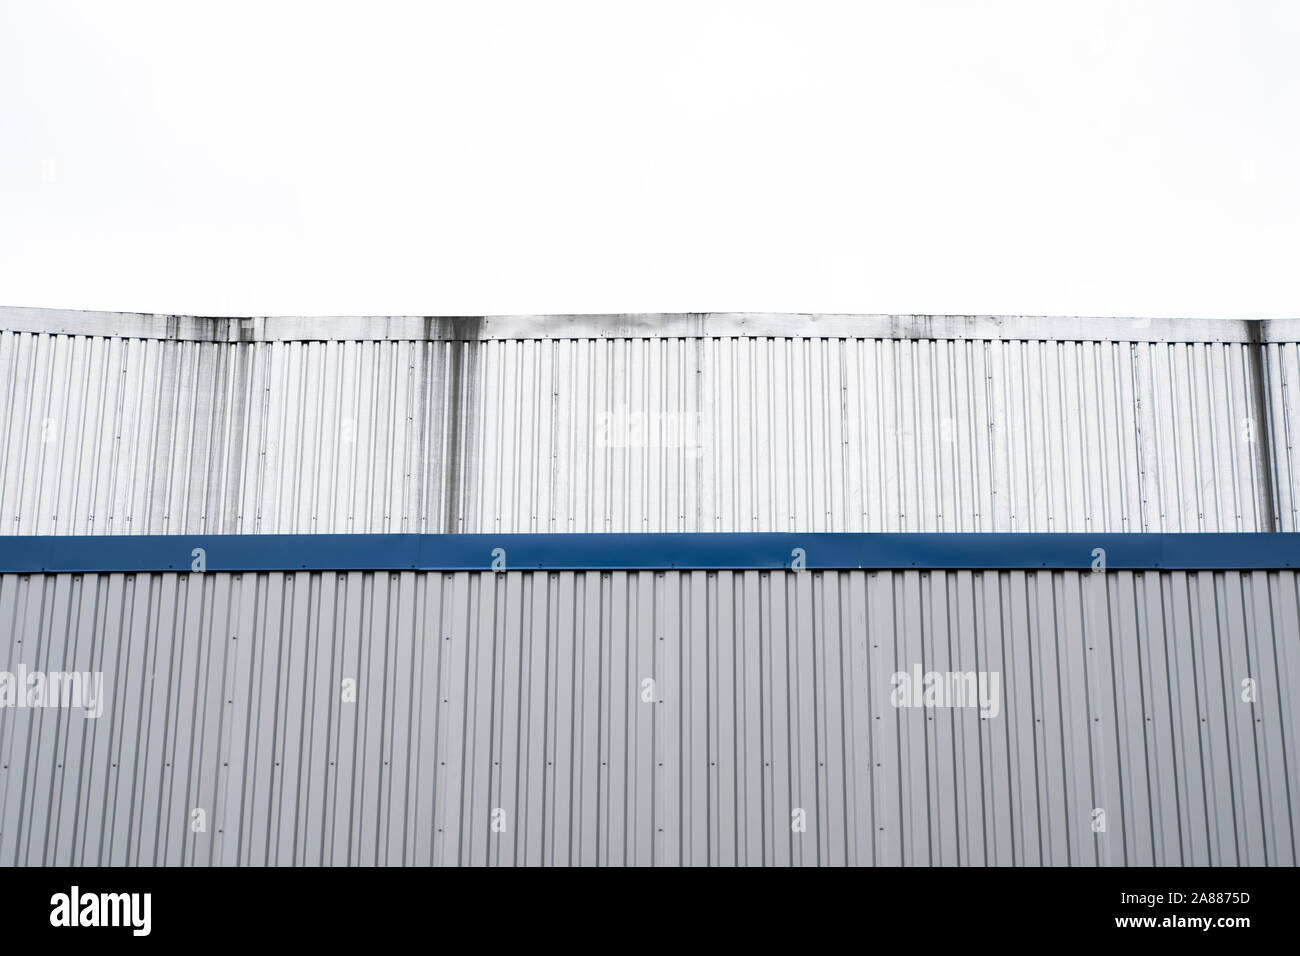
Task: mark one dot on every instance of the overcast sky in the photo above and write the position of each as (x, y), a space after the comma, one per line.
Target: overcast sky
(1091, 158)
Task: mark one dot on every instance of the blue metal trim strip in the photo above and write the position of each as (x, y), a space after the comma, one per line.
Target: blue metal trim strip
(567, 552)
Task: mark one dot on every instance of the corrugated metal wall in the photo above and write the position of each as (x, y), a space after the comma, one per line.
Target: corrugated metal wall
(522, 691)
(102, 434)
(1282, 388)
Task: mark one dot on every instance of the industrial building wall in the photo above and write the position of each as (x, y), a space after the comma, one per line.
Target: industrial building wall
(504, 718)
(139, 424)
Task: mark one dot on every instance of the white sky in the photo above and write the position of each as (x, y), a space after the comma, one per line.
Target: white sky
(1090, 158)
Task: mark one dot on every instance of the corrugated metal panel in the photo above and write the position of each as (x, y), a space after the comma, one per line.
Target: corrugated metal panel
(523, 692)
(133, 435)
(1282, 376)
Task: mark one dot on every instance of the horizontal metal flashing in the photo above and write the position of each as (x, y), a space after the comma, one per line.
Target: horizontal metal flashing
(569, 552)
(653, 325)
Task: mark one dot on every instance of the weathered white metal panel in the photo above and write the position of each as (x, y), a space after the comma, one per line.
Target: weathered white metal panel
(453, 430)
(524, 692)
(654, 325)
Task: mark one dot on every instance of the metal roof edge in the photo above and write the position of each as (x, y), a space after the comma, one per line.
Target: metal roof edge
(650, 325)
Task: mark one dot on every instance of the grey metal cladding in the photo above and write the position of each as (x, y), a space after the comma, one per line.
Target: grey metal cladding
(522, 692)
(454, 429)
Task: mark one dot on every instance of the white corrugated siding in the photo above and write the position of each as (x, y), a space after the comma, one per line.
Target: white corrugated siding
(104, 435)
(522, 691)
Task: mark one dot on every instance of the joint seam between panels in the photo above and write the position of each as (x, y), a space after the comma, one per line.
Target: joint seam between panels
(792, 551)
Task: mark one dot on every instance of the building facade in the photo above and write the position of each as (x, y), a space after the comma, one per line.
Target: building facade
(825, 652)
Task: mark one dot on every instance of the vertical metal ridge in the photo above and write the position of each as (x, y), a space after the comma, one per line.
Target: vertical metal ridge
(1261, 408)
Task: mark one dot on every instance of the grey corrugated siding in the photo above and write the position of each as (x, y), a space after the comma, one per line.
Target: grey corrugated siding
(521, 691)
(103, 434)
